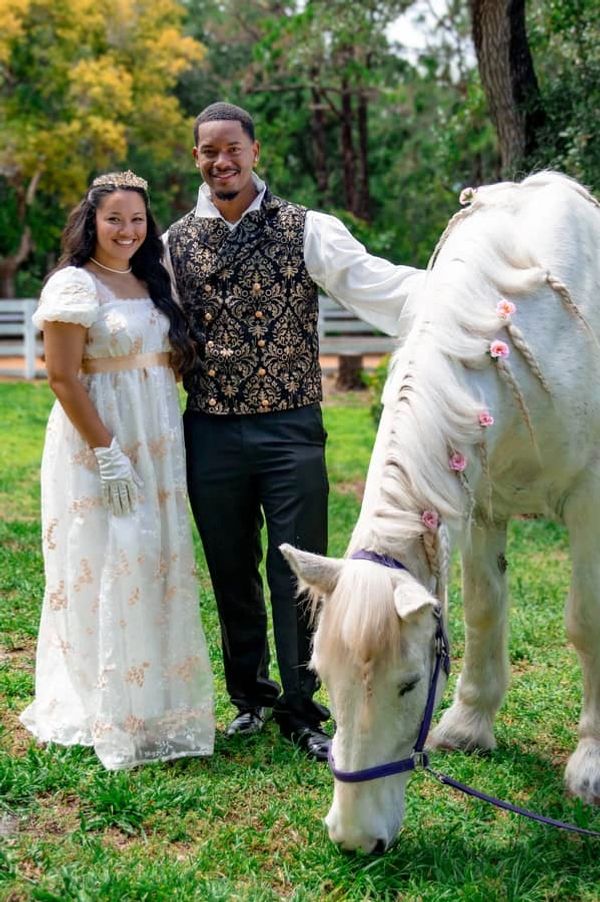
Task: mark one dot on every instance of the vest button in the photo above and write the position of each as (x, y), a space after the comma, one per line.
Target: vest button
(261, 342)
(262, 371)
(212, 402)
(210, 344)
(207, 289)
(259, 314)
(264, 403)
(256, 288)
(212, 373)
(207, 317)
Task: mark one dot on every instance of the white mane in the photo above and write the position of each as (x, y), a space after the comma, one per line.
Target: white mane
(360, 618)
(480, 260)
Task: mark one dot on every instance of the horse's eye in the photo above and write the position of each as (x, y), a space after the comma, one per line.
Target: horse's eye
(408, 686)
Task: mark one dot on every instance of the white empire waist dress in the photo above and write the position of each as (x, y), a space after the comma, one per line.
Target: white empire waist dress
(122, 663)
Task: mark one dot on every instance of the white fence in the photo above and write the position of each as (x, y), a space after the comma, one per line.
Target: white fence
(19, 337)
(342, 334)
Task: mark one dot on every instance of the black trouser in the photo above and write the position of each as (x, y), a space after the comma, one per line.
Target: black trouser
(238, 468)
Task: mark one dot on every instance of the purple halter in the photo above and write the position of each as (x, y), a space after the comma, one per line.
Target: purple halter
(419, 757)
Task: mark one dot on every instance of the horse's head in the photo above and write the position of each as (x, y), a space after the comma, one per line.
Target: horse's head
(374, 651)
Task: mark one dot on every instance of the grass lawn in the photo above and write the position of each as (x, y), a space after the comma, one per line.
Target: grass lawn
(246, 824)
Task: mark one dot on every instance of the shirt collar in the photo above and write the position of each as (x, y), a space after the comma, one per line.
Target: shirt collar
(205, 208)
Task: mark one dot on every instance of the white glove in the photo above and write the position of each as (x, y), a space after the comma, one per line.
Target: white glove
(120, 482)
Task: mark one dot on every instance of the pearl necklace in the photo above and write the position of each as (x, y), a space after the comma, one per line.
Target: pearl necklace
(123, 272)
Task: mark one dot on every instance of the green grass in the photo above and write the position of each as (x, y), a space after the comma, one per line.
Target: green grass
(246, 824)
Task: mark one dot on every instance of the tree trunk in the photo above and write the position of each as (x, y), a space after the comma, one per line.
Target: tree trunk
(349, 374)
(508, 77)
(9, 266)
(348, 154)
(364, 195)
(319, 143)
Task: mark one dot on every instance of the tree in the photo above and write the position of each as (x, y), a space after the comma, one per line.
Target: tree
(80, 84)
(508, 77)
(336, 54)
(565, 41)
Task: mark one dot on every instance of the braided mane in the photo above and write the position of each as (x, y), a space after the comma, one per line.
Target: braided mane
(481, 261)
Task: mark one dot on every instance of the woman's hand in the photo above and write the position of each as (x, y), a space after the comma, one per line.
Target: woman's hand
(120, 482)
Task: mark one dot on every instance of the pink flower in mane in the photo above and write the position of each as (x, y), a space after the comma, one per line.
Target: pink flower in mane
(486, 419)
(467, 196)
(505, 309)
(458, 462)
(430, 519)
(499, 349)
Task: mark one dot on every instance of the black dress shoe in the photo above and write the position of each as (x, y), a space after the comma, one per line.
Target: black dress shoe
(248, 722)
(315, 743)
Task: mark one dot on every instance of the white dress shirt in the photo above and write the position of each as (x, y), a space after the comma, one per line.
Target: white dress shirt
(370, 287)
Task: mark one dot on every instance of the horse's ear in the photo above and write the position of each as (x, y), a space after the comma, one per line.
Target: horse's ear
(411, 599)
(313, 570)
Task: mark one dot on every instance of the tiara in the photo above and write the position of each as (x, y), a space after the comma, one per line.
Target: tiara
(126, 179)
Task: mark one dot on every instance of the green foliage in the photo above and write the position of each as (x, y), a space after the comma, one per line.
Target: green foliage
(565, 41)
(429, 133)
(375, 382)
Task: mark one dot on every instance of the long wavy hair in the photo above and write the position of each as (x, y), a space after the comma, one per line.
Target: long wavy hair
(78, 242)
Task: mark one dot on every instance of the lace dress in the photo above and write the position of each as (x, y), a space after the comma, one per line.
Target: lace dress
(122, 663)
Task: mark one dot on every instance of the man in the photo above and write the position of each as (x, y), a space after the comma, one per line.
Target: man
(247, 267)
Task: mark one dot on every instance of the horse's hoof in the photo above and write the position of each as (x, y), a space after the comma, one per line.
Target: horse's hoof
(462, 730)
(582, 775)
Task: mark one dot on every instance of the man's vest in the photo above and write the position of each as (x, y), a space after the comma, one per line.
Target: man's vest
(247, 294)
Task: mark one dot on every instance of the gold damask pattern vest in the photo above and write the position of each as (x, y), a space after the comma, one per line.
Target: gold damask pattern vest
(248, 294)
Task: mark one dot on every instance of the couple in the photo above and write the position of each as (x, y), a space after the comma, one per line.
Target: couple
(122, 663)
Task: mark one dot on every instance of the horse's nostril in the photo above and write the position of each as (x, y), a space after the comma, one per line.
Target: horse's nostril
(379, 847)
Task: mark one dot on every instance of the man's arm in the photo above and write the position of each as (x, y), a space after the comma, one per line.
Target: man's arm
(372, 288)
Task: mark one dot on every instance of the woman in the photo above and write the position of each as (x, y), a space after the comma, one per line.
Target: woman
(121, 662)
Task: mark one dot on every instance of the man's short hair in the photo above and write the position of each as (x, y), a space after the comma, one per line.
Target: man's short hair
(222, 110)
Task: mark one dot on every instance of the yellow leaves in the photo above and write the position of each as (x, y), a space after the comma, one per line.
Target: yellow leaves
(161, 127)
(85, 81)
(102, 86)
(12, 16)
(69, 151)
(172, 54)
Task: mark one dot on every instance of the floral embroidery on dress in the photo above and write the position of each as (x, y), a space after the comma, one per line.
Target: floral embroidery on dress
(85, 577)
(49, 541)
(58, 599)
(136, 673)
(133, 724)
(87, 503)
(85, 458)
(186, 670)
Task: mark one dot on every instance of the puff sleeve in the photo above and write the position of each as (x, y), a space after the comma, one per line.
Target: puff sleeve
(69, 296)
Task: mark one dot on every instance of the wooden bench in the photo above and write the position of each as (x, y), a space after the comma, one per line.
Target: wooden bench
(19, 338)
(348, 338)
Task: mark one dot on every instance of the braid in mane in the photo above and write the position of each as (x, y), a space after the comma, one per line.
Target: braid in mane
(565, 295)
(454, 220)
(485, 469)
(507, 375)
(431, 545)
(520, 343)
(444, 555)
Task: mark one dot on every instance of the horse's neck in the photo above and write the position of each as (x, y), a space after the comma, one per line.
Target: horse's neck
(372, 491)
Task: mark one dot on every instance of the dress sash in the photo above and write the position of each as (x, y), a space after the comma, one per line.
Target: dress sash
(129, 362)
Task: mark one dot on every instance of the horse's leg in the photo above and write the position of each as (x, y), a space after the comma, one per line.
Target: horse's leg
(468, 723)
(583, 629)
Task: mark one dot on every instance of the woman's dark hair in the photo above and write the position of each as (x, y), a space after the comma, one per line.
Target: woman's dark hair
(78, 242)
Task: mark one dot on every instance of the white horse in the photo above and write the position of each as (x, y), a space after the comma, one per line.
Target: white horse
(491, 409)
